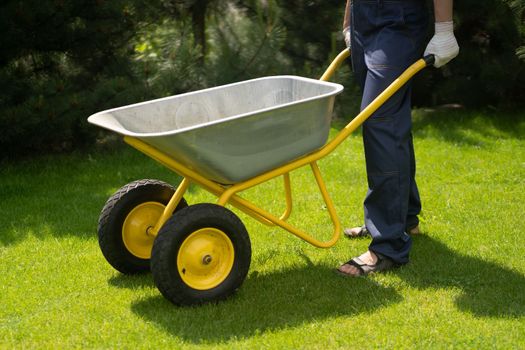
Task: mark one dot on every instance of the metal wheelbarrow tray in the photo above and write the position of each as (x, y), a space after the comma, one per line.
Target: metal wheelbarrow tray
(233, 132)
(226, 140)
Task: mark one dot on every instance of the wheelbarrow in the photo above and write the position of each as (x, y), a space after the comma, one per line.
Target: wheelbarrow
(225, 139)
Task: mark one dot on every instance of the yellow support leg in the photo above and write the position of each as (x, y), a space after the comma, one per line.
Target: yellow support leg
(288, 194)
(170, 208)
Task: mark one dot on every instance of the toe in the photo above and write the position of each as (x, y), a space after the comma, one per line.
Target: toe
(349, 270)
(353, 232)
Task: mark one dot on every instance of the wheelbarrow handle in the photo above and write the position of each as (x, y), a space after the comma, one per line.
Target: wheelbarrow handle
(376, 103)
(336, 63)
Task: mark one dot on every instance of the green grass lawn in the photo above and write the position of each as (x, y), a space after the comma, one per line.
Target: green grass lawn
(464, 287)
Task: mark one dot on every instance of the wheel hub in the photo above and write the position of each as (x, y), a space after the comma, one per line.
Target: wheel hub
(205, 258)
(135, 230)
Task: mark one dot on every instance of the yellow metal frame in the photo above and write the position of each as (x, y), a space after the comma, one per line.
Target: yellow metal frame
(229, 194)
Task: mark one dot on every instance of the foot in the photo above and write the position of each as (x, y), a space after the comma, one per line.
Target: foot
(414, 230)
(355, 232)
(365, 264)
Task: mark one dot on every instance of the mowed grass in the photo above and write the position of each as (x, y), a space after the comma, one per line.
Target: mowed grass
(464, 287)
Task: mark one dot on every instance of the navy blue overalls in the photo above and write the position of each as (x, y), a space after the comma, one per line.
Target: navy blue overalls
(388, 36)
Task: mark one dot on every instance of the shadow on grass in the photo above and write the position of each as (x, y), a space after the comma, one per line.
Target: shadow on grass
(488, 290)
(138, 281)
(267, 302)
(313, 293)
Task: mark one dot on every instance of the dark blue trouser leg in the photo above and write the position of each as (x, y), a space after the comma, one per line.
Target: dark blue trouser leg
(387, 36)
(414, 202)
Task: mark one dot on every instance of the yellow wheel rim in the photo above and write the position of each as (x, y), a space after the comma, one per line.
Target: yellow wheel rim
(135, 228)
(205, 258)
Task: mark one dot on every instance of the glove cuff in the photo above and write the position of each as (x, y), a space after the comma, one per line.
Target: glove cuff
(444, 27)
(346, 30)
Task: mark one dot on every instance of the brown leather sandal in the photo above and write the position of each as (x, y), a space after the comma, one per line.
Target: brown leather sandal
(362, 231)
(383, 263)
(356, 232)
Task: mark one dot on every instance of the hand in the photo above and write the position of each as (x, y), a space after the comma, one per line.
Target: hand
(443, 45)
(347, 37)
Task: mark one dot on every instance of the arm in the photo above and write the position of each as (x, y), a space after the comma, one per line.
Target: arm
(346, 22)
(443, 10)
(346, 25)
(443, 44)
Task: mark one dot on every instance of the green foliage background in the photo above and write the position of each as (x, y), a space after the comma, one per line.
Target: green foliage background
(64, 60)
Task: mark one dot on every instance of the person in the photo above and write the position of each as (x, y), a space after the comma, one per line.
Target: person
(385, 37)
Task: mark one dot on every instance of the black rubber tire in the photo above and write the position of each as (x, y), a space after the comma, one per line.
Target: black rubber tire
(170, 238)
(114, 213)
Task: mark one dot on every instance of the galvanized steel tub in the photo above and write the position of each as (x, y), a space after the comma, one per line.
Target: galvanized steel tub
(233, 132)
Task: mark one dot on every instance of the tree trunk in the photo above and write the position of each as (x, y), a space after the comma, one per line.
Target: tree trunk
(198, 18)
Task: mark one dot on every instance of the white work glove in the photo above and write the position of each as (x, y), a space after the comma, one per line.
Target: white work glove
(443, 44)
(346, 35)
